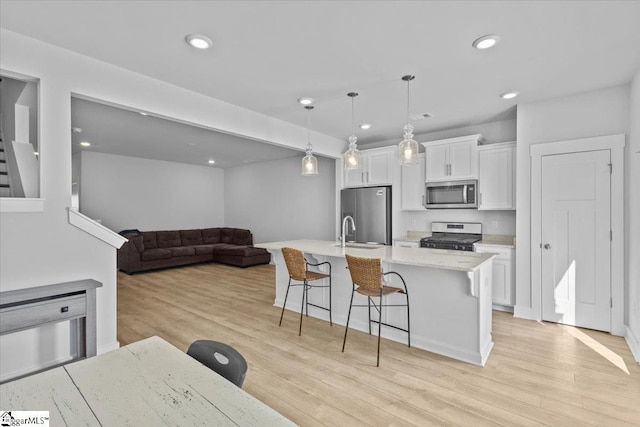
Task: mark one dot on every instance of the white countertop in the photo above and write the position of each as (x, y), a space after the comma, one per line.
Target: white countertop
(423, 257)
(507, 240)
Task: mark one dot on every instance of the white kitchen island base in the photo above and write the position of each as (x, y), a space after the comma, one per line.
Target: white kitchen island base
(449, 294)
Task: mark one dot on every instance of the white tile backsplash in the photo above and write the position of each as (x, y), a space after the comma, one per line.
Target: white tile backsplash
(493, 222)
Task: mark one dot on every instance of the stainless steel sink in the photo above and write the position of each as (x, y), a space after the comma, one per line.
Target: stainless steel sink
(360, 245)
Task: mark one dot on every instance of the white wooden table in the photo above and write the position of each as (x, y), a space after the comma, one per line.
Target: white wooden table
(149, 382)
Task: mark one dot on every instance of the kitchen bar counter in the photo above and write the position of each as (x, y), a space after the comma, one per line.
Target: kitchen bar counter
(449, 293)
(421, 257)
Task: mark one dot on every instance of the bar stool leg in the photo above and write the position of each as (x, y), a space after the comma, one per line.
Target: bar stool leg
(285, 301)
(304, 293)
(346, 329)
(369, 307)
(408, 324)
(379, 328)
(330, 319)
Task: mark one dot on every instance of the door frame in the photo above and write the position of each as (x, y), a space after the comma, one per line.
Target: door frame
(614, 143)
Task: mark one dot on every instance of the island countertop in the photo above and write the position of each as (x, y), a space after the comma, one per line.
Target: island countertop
(422, 257)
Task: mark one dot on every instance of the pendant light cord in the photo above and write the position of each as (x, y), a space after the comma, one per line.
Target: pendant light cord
(408, 92)
(352, 107)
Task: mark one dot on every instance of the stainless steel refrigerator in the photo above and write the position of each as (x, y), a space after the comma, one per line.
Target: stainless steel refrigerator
(370, 208)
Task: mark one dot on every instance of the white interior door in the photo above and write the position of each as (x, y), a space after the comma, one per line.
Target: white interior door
(576, 252)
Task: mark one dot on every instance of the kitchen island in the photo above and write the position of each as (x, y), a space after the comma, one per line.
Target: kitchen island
(449, 293)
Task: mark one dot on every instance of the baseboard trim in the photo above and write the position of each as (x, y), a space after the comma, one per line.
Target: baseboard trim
(35, 369)
(525, 313)
(634, 344)
(110, 347)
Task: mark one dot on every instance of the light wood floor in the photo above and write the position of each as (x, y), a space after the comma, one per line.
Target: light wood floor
(537, 374)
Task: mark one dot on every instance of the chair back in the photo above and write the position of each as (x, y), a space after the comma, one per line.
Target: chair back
(220, 358)
(296, 264)
(365, 272)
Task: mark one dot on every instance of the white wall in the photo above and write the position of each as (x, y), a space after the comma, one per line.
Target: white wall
(129, 192)
(632, 221)
(39, 248)
(275, 202)
(595, 113)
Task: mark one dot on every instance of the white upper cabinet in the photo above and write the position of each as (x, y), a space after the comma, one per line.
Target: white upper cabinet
(452, 159)
(496, 180)
(377, 168)
(412, 185)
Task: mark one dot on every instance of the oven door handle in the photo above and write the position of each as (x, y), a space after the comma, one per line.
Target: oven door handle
(464, 194)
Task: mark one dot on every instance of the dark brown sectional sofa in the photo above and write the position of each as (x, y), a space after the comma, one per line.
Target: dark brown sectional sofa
(148, 250)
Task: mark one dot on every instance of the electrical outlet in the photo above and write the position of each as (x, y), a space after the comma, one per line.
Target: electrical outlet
(494, 224)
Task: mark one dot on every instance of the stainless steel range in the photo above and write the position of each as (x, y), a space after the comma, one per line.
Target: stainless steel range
(459, 236)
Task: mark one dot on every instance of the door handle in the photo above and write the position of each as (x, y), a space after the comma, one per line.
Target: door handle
(547, 246)
(464, 194)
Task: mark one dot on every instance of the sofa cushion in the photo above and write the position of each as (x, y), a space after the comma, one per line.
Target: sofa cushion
(168, 239)
(203, 249)
(210, 236)
(227, 235)
(237, 250)
(153, 254)
(190, 237)
(183, 251)
(149, 240)
(242, 237)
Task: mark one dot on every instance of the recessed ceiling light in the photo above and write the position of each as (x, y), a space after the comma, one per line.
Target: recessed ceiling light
(365, 126)
(143, 113)
(509, 95)
(199, 41)
(305, 101)
(211, 161)
(35, 153)
(85, 143)
(485, 42)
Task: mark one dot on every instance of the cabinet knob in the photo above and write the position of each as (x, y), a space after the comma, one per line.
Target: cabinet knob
(64, 309)
(547, 246)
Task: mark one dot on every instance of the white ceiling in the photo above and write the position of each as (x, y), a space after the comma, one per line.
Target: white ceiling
(266, 54)
(124, 132)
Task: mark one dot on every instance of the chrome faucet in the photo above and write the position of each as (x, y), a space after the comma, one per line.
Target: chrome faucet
(343, 238)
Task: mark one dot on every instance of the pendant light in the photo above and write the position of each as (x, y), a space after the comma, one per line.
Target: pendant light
(408, 147)
(352, 155)
(309, 162)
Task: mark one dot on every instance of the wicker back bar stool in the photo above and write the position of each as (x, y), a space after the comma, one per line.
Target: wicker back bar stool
(298, 269)
(369, 280)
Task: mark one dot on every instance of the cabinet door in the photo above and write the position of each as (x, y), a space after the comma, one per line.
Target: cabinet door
(407, 244)
(496, 179)
(501, 293)
(462, 160)
(379, 168)
(413, 185)
(354, 178)
(436, 162)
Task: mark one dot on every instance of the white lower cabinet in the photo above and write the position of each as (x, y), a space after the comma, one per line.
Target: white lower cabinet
(406, 244)
(503, 273)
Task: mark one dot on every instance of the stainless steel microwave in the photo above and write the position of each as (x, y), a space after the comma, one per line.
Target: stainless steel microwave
(452, 195)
